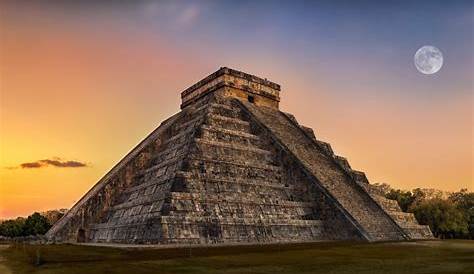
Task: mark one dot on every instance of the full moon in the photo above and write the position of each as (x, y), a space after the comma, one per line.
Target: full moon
(428, 59)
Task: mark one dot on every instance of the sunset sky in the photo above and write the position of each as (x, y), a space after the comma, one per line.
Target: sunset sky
(81, 83)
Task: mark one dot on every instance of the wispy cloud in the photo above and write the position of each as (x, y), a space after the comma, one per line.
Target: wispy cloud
(55, 162)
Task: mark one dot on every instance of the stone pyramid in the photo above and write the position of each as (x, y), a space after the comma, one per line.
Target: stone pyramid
(231, 167)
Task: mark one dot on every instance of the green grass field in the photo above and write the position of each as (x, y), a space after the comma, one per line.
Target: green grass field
(455, 256)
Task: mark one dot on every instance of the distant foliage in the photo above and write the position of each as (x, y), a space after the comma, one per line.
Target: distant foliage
(464, 201)
(443, 217)
(35, 224)
(12, 228)
(449, 216)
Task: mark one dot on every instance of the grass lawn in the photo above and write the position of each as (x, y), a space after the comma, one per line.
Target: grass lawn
(453, 256)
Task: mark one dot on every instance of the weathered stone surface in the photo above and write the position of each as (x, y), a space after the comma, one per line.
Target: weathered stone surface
(230, 167)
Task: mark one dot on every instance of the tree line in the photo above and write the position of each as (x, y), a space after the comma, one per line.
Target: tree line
(35, 224)
(449, 215)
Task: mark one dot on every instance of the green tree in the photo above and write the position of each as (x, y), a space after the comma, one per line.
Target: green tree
(12, 228)
(444, 218)
(36, 224)
(464, 201)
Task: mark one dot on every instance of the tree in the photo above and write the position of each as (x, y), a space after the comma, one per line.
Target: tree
(36, 224)
(444, 218)
(464, 201)
(12, 228)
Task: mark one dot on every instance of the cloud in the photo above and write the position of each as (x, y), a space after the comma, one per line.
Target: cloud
(56, 162)
(31, 165)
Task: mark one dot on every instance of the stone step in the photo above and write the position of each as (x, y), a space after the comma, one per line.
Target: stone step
(343, 163)
(196, 109)
(241, 182)
(204, 167)
(309, 131)
(256, 191)
(359, 176)
(403, 217)
(225, 110)
(180, 137)
(168, 154)
(214, 120)
(231, 152)
(126, 222)
(238, 199)
(161, 168)
(240, 221)
(154, 198)
(387, 204)
(191, 122)
(230, 136)
(215, 230)
(419, 232)
(326, 147)
(146, 184)
(406, 221)
(236, 205)
(214, 178)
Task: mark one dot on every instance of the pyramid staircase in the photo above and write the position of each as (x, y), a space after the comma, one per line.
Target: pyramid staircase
(377, 217)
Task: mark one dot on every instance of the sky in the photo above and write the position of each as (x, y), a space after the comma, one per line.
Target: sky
(82, 82)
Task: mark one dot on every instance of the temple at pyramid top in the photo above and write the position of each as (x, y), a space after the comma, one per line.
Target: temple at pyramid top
(233, 83)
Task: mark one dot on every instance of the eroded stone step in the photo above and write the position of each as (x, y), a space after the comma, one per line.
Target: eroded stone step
(237, 199)
(193, 208)
(403, 217)
(239, 221)
(419, 232)
(214, 120)
(164, 166)
(225, 110)
(171, 150)
(155, 198)
(387, 204)
(270, 182)
(230, 136)
(203, 167)
(231, 152)
(239, 230)
(126, 222)
(326, 147)
(192, 122)
(240, 187)
(359, 176)
(264, 183)
(146, 184)
(342, 161)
